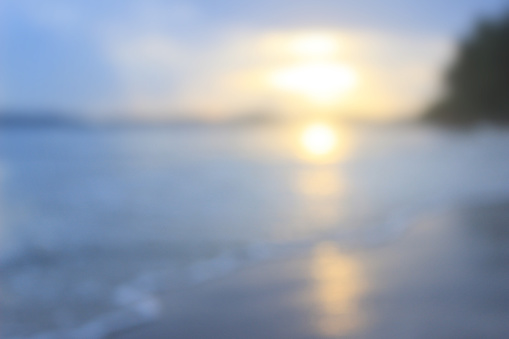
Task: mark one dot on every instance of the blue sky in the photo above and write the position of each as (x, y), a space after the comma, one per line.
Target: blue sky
(150, 58)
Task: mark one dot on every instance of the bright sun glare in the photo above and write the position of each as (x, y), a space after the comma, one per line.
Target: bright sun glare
(321, 82)
(319, 139)
(317, 76)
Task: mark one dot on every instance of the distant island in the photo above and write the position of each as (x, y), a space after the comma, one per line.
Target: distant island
(54, 119)
(37, 119)
(477, 83)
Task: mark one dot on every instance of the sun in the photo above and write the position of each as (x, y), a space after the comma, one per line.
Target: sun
(320, 82)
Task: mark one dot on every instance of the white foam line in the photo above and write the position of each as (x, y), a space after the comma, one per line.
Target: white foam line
(213, 268)
(140, 308)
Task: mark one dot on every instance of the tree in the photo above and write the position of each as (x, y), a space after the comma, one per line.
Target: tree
(477, 84)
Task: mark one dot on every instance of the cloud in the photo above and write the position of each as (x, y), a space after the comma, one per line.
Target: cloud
(154, 62)
(231, 73)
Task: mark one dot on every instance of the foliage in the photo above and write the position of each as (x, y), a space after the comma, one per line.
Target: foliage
(478, 82)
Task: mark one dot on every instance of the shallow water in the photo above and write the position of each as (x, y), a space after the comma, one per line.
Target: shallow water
(96, 224)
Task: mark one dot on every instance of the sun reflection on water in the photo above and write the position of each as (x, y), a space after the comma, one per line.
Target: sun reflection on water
(319, 139)
(319, 182)
(324, 142)
(320, 190)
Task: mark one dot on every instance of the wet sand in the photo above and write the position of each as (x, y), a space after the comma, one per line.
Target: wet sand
(446, 277)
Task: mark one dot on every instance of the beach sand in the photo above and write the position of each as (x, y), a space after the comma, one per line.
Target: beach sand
(446, 277)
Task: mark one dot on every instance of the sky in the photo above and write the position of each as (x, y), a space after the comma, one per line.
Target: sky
(215, 59)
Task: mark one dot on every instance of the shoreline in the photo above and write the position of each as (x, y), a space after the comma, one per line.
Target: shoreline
(432, 282)
(432, 270)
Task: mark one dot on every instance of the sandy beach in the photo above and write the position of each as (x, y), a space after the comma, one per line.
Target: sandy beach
(447, 277)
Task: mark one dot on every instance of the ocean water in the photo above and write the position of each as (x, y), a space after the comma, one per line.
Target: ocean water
(97, 224)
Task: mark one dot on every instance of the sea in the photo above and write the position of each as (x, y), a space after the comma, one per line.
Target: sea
(98, 223)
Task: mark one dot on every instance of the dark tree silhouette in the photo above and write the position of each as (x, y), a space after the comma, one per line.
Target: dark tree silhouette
(477, 84)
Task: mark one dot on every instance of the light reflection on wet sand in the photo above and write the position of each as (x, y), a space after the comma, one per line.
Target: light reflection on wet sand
(338, 288)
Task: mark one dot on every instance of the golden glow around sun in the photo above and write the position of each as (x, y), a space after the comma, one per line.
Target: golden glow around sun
(319, 139)
(315, 72)
(314, 45)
